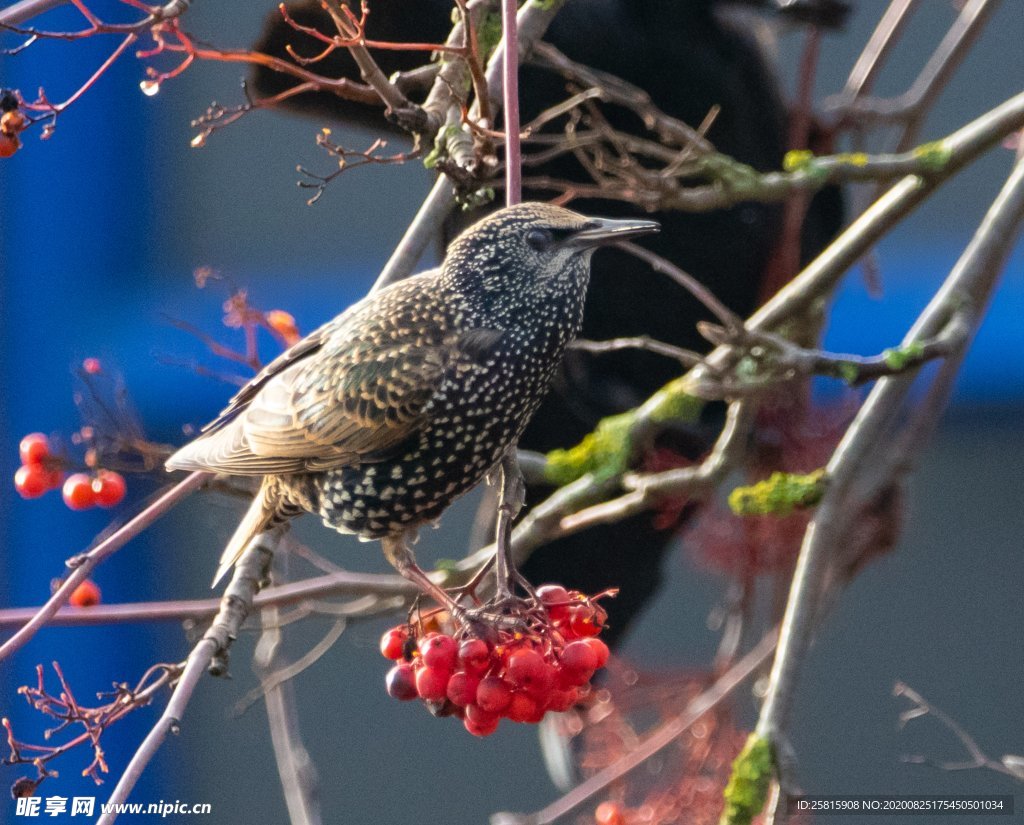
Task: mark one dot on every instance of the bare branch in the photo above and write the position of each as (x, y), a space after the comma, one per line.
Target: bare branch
(978, 757)
(211, 649)
(971, 281)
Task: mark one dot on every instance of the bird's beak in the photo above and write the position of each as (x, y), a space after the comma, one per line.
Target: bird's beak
(602, 231)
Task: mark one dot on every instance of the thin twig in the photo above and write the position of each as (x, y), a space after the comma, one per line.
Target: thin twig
(659, 739)
(82, 565)
(299, 778)
(235, 606)
(979, 759)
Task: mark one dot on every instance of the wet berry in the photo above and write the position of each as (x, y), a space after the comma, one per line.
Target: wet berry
(283, 323)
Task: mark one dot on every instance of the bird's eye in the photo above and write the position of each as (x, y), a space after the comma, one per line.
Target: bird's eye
(539, 239)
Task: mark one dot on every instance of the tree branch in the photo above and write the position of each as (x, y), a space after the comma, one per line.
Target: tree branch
(210, 651)
(971, 281)
(532, 22)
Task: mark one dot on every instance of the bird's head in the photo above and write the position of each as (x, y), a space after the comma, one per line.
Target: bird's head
(531, 254)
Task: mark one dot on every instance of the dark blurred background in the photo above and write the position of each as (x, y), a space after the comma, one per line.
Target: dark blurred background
(100, 231)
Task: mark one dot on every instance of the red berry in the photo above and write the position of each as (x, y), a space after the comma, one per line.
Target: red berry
(528, 670)
(522, 708)
(609, 813)
(579, 658)
(9, 144)
(77, 492)
(283, 323)
(462, 688)
(34, 448)
(524, 667)
(555, 599)
(86, 594)
(493, 694)
(600, 650)
(109, 488)
(392, 643)
(479, 722)
(32, 480)
(432, 683)
(92, 366)
(484, 728)
(439, 651)
(475, 655)
(401, 682)
(562, 700)
(584, 620)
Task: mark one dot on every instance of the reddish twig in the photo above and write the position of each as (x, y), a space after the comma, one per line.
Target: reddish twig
(510, 93)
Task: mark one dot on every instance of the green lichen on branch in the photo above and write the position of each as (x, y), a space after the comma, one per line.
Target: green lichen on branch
(445, 137)
(730, 173)
(604, 452)
(849, 372)
(934, 156)
(674, 402)
(900, 358)
(778, 495)
(607, 450)
(805, 162)
(747, 788)
(488, 34)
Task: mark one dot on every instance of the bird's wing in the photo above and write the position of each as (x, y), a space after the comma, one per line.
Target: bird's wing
(334, 399)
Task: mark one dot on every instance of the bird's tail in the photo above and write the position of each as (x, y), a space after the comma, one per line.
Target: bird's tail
(260, 517)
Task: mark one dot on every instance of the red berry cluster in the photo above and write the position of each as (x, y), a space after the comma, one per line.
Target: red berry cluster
(517, 675)
(40, 472)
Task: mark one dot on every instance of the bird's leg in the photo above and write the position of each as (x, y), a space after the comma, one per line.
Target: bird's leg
(511, 496)
(399, 554)
(470, 587)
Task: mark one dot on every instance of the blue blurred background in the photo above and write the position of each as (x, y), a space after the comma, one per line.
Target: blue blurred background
(100, 230)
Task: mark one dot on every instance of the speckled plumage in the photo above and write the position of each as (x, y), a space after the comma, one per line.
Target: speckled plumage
(381, 418)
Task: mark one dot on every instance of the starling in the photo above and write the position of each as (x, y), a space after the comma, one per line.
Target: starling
(381, 418)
